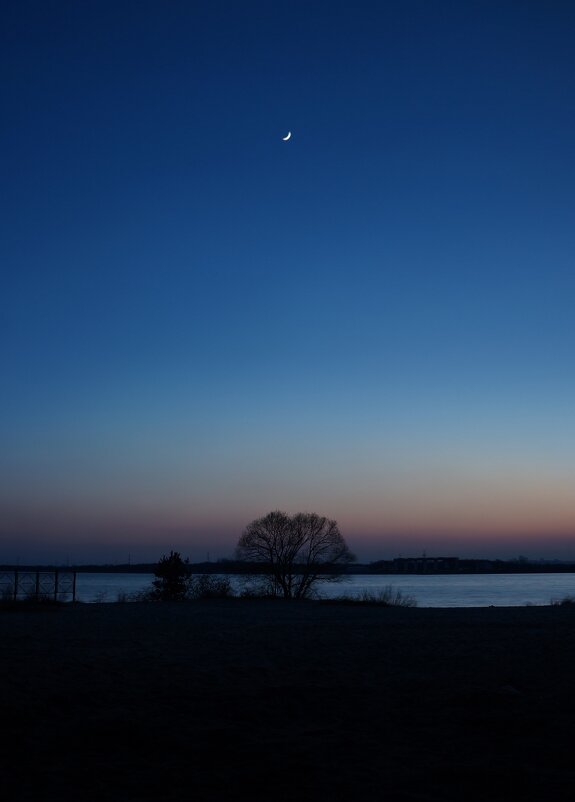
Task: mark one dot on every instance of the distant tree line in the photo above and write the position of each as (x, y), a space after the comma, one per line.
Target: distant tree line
(397, 565)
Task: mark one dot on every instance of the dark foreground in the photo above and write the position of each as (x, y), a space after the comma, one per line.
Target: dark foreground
(225, 700)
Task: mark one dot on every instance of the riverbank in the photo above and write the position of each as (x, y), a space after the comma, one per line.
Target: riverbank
(462, 590)
(221, 700)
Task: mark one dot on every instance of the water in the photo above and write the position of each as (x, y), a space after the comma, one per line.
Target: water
(467, 590)
(103, 587)
(451, 590)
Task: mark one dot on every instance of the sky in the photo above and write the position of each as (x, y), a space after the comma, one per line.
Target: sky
(202, 322)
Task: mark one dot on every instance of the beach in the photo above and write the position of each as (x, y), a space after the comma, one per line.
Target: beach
(228, 699)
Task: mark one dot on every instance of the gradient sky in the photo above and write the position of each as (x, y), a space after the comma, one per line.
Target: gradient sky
(200, 322)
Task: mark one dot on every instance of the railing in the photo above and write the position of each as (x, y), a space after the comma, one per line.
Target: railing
(52, 585)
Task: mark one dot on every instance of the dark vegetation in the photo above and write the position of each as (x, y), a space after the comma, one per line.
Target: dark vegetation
(295, 552)
(175, 582)
(204, 586)
(398, 565)
(386, 597)
(280, 579)
(567, 601)
(171, 582)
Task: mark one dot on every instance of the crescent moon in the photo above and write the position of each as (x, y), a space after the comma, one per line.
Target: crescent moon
(285, 138)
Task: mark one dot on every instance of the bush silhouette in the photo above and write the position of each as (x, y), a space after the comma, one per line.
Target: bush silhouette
(172, 578)
(205, 586)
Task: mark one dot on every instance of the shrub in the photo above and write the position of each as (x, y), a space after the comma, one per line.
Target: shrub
(257, 592)
(206, 586)
(258, 587)
(172, 577)
(386, 597)
(566, 601)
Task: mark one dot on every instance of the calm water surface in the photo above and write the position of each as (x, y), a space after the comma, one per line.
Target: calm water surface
(453, 590)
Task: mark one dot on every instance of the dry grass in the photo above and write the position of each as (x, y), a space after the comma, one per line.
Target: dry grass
(386, 597)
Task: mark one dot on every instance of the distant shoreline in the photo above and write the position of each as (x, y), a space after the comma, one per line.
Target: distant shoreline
(397, 567)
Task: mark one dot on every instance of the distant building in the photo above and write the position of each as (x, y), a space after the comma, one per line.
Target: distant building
(425, 565)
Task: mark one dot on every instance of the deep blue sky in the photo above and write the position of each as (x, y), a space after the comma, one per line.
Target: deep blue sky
(201, 322)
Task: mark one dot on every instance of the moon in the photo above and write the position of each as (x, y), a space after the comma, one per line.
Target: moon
(285, 138)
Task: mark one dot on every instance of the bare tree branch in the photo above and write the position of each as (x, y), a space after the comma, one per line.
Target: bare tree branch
(298, 551)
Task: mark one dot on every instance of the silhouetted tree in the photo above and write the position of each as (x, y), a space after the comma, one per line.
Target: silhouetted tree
(172, 576)
(297, 551)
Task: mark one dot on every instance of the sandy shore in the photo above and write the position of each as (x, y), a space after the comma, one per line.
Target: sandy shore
(222, 699)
